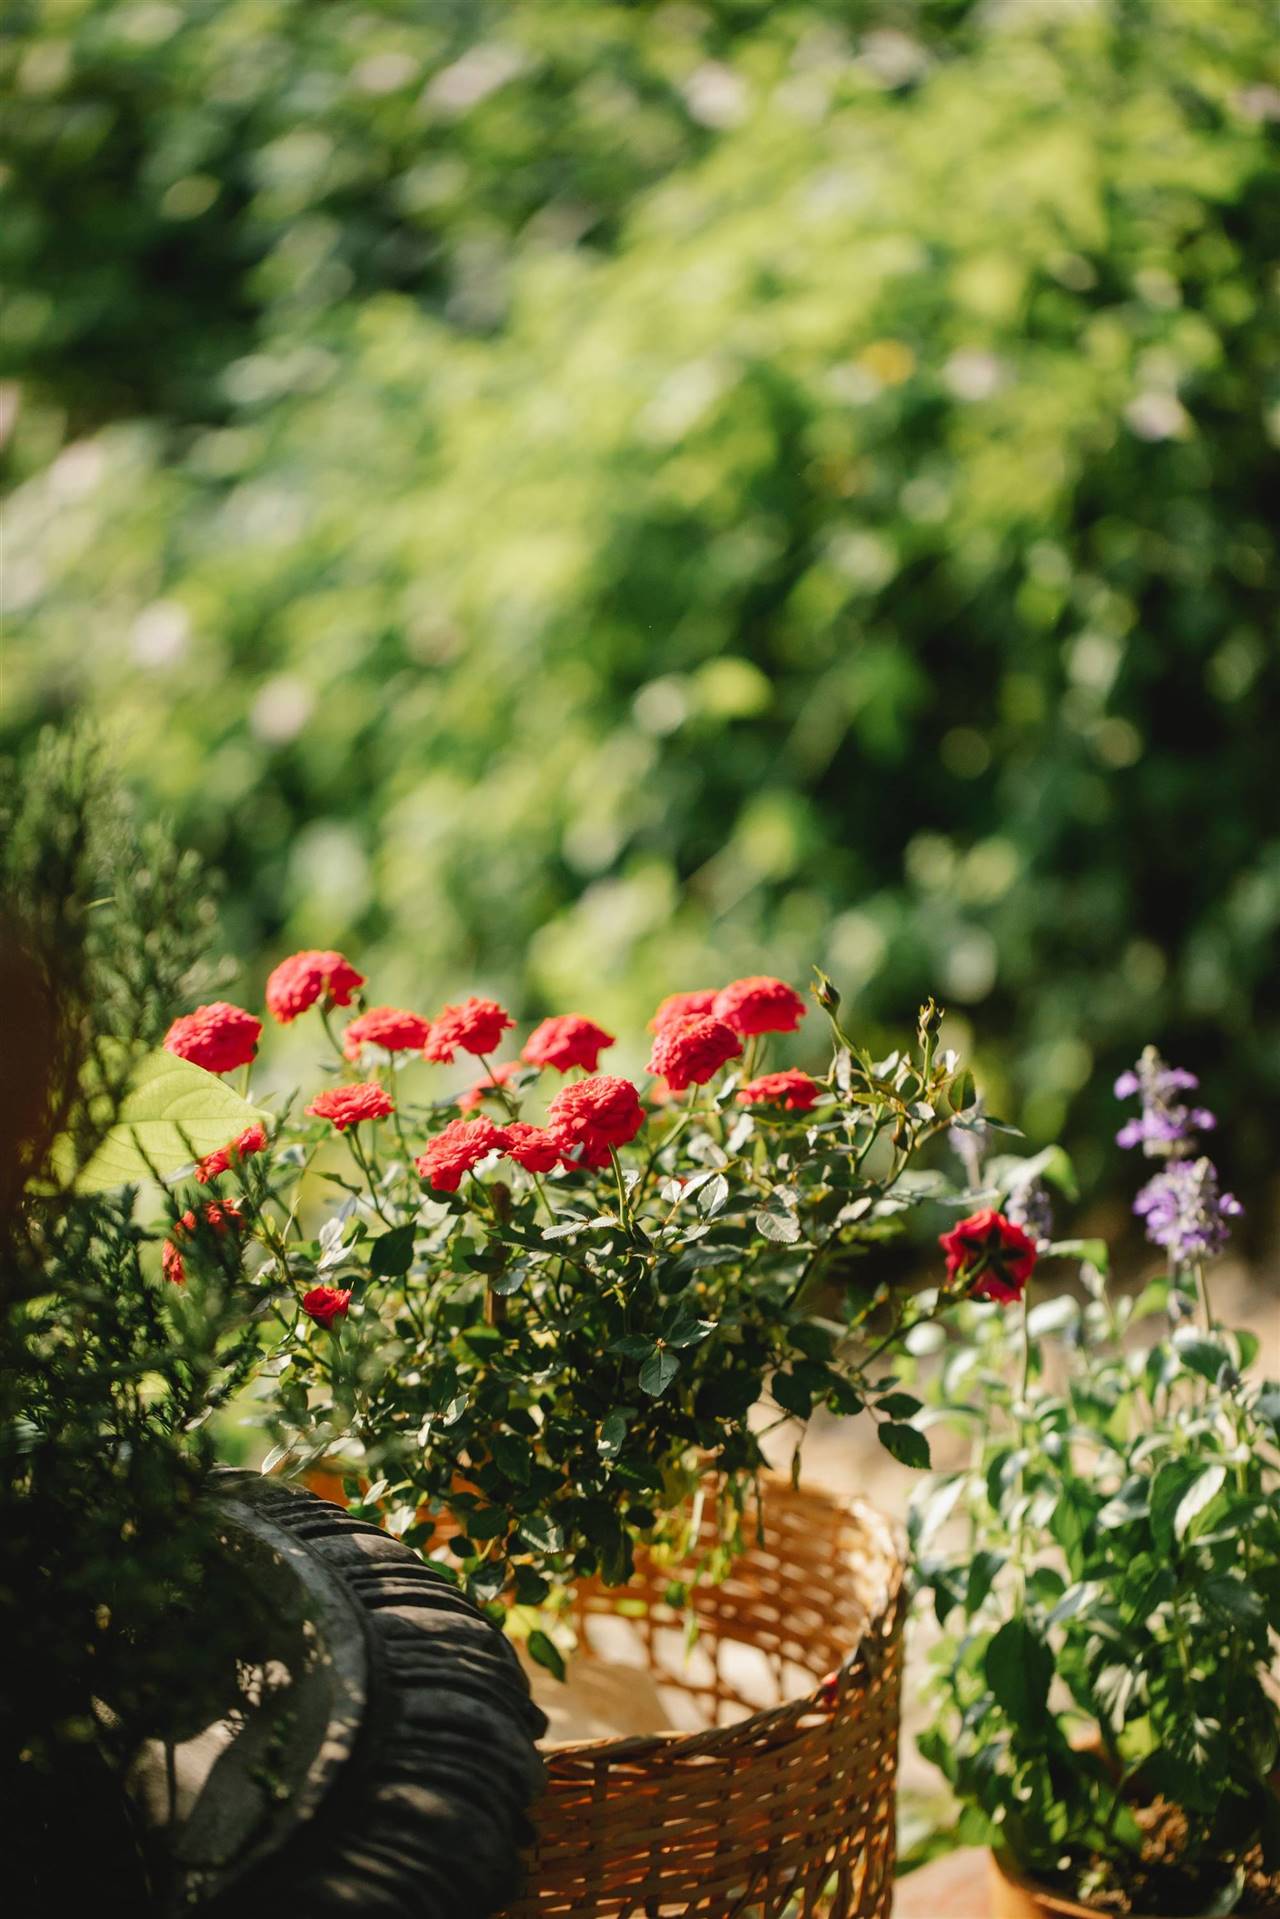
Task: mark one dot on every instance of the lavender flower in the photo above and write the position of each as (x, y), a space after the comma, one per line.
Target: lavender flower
(1185, 1212)
(1165, 1125)
(968, 1140)
(1028, 1205)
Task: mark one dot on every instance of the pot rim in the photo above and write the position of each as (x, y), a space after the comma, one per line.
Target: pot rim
(1063, 1905)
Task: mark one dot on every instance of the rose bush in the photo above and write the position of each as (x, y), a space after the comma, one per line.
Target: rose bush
(532, 1316)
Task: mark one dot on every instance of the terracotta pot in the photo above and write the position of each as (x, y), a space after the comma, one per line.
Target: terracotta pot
(1014, 1896)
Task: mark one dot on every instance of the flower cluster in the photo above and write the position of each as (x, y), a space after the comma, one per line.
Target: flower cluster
(1183, 1208)
(550, 1273)
(216, 1216)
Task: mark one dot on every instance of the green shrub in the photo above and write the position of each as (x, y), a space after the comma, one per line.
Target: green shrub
(863, 553)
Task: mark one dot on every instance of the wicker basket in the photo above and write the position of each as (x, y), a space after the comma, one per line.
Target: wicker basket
(788, 1810)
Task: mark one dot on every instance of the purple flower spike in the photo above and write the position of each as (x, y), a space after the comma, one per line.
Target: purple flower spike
(1185, 1212)
(1165, 1126)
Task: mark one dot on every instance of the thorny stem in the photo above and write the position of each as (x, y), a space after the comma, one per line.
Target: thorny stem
(357, 1152)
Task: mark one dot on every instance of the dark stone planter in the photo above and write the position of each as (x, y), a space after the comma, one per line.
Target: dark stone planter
(372, 1752)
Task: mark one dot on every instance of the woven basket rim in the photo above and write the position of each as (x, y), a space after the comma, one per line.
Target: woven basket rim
(891, 1538)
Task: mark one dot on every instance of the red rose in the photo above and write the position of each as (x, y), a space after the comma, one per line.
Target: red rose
(568, 1040)
(477, 1026)
(532, 1147)
(589, 1116)
(218, 1037)
(252, 1140)
(388, 1027)
(348, 1105)
(218, 1215)
(759, 1005)
(298, 982)
(990, 1256)
(455, 1151)
(682, 1006)
(688, 1052)
(791, 1089)
(324, 1304)
(505, 1070)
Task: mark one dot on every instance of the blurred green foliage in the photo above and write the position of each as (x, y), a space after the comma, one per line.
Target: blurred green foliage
(604, 497)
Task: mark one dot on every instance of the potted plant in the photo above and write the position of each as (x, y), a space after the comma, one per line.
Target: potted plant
(217, 1695)
(529, 1325)
(1106, 1564)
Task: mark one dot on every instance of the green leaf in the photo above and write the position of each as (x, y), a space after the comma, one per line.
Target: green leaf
(906, 1443)
(170, 1113)
(545, 1652)
(1207, 1357)
(539, 1533)
(511, 1455)
(782, 1227)
(632, 1346)
(713, 1195)
(392, 1253)
(899, 1405)
(1201, 1493)
(1168, 1488)
(613, 1432)
(658, 1372)
(983, 1568)
(792, 1395)
(1018, 1668)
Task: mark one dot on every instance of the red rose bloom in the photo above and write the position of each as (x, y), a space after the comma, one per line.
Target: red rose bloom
(792, 1089)
(252, 1140)
(477, 1026)
(388, 1027)
(218, 1037)
(298, 982)
(324, 1304)
(682, 1006)
(532, 1147)
(591, 1115)
(568, 1040)
(456, 1150)
(505, 1070)
(759, 1005)
(990, 1256)
(219, 1216)
(348, 1105)
(689, 1052)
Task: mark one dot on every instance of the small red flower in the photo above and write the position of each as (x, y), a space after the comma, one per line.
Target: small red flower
(990, 1256)
(532, 1147)
(218, 1037)
(791, 1089)
(682, 1006)
(591, 1115)
(219, 1215)
(252, 1140)
(324, 1304)
(568, 1040)
(457, 1149)
(477, 1026)
(305, 978)
(759, 1005)
(390, 1028)
(689, 1052)
(506, 1069)
(348, 1105)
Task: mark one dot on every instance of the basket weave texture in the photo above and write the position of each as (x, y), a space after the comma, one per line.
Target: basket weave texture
(787, 1811)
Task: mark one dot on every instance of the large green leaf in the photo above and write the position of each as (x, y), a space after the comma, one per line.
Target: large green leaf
(172, 1112)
